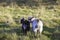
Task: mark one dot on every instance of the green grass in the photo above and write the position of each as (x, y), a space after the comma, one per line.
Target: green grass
(9, 34)
(50, 18)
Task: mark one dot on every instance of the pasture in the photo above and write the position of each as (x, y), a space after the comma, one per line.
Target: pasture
(10, 27)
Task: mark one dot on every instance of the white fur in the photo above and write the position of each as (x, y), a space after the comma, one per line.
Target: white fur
(40, 26)
(33, 19)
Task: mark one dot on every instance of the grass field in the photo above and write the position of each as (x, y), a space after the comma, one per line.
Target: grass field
(50, 15)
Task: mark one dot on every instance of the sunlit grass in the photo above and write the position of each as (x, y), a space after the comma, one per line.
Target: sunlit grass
(50, 18)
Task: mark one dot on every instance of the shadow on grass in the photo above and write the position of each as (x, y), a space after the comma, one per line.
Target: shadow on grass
(29, 3)
(16, 30)
(30, 34)
(55, 36)
(48, 31)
